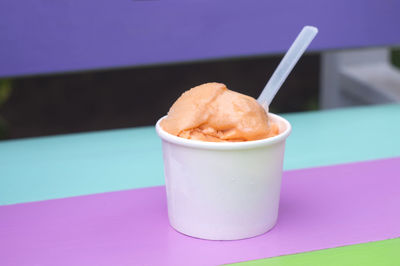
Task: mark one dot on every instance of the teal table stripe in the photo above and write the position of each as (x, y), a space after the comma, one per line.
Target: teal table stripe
(343, 135)
(77, 164)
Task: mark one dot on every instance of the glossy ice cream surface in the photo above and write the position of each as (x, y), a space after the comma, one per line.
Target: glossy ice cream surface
(211, 112)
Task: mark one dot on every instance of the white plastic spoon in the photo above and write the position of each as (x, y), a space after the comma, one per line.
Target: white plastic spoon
(284, 68)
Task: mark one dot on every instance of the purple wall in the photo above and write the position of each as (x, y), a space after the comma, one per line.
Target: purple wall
(46, 36)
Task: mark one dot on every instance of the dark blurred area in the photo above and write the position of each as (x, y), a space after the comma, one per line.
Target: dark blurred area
(110, 99)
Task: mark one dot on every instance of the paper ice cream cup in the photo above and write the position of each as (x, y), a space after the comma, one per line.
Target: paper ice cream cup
(223, 191)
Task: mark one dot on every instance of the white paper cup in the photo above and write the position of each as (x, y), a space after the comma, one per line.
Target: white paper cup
(223, 191)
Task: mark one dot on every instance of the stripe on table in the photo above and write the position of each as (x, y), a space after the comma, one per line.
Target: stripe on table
(80, 164)
(320, 208)
(382, 253)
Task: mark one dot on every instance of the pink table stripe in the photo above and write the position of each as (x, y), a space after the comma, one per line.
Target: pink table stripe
(320, 208)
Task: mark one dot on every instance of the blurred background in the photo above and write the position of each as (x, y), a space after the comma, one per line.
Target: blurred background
(63, 71)
(97, 100)
(78, 102)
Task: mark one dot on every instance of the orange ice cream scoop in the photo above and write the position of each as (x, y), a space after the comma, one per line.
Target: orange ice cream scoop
(211, 112)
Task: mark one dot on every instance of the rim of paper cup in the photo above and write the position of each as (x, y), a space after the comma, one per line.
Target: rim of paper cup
(226, 145)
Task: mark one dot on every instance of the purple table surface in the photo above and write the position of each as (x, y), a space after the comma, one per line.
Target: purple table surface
(58, 36)
(320, 208)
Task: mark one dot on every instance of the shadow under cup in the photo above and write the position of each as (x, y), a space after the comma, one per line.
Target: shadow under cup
(223, 191)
